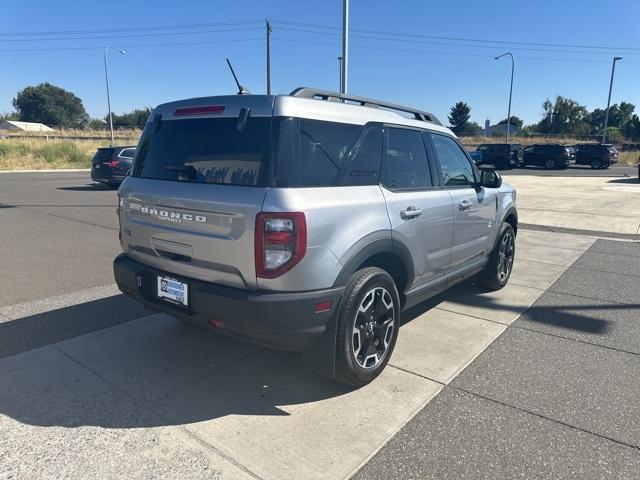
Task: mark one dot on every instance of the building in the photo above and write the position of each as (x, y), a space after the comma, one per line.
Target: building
(502, 129)
(15, 126)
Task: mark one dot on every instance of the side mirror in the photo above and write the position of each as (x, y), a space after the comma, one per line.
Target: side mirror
(490, 179)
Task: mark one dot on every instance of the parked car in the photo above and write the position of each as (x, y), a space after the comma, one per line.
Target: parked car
(476, 156)
(111, 164)
(307, 222)
(596, 155)
(500, 155)
(548, 155)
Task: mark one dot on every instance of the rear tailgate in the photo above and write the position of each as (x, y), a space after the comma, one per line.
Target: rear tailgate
(200, 231)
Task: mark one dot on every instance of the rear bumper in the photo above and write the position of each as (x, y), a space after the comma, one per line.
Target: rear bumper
(107, 177)
(281, 320)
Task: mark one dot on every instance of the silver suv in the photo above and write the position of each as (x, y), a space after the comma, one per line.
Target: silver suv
(307, 222)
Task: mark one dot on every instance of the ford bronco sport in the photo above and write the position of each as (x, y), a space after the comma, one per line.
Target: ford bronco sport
(307, 222)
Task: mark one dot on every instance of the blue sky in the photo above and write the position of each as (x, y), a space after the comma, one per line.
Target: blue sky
(422, 71)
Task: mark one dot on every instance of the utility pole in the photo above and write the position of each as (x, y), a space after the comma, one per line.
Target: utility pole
(606, 115)
(345, 46)
(268, 57)
(510, 92)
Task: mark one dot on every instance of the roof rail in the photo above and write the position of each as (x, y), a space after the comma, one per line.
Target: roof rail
(318, 94)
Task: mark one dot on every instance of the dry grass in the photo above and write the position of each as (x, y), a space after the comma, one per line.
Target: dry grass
(473, 142)
(38, 154)
(126, 134)
(629, 158)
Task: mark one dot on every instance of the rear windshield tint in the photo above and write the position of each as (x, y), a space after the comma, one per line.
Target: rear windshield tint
(278, 151)
(103, 154)
(204, 150)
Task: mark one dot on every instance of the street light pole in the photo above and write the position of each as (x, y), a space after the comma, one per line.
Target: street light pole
(268, 57)
(340, 73)
(510, 92)
(106, 76)
(606, 115)
(345, 46)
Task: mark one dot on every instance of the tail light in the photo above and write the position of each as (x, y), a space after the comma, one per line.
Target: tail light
(112, 163)
(280, 242)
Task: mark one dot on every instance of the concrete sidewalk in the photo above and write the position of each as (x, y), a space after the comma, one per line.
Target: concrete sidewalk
(597, 204)
(155, 398)
(555, 397)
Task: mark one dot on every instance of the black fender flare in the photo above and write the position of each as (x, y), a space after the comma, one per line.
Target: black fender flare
(381, 245)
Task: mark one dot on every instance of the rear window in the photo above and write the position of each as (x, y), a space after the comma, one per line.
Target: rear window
(265, 151)
(204, 150)
(103, 155)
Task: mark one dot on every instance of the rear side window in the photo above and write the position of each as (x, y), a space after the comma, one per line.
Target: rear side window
(406, 165)
(204, 150)
(128, 153)
(311, 153)
(456, 167)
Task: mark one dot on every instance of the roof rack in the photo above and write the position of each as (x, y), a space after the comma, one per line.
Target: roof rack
(327, 95)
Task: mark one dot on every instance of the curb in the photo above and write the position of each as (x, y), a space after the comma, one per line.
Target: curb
(51, 170)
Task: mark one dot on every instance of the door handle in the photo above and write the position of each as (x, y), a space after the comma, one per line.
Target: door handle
(464, 205)
(410, 212)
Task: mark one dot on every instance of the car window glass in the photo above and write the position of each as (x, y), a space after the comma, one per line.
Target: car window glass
(456, 168)
(128, 153)
(406, 164)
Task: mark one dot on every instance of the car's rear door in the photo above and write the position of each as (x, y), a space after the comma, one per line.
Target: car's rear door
(421, 213)
(475, 207)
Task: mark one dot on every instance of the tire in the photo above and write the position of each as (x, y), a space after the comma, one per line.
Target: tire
(594, 164)
(370, 301)
(496, 274)
(550, 164)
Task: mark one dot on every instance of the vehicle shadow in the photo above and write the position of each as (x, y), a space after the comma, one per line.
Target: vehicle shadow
(629, 180)
(152, 370)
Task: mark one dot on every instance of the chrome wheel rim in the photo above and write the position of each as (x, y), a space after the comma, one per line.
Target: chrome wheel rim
(505, 257)
(373, 328)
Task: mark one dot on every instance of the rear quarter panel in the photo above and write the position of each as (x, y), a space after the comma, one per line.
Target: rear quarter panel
(340, 221)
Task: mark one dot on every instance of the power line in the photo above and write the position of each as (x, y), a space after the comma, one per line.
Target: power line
(370, 37)
(144, 45)
(132, 35)
(478, 55)
(134, 29)
(459, 39)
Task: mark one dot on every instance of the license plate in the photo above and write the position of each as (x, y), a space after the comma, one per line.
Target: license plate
(173, 290)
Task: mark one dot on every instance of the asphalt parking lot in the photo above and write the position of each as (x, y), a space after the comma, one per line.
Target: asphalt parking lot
(536, 380)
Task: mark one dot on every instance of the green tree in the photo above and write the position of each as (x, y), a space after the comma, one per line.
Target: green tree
(515, 121)
(50, 105)
(8, 116)
(135, 118)
(459, 117)
(565, 116)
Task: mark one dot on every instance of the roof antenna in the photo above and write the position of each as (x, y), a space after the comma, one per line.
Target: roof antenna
(241, 90)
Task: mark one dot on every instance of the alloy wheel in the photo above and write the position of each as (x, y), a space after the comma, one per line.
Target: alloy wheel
(549, 164)
(373, 327)
(505, 256)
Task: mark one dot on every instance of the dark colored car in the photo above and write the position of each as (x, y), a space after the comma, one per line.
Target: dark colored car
(476, 156)
(549, 155)
(111, 164)
(500, 155)
(596, 155)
